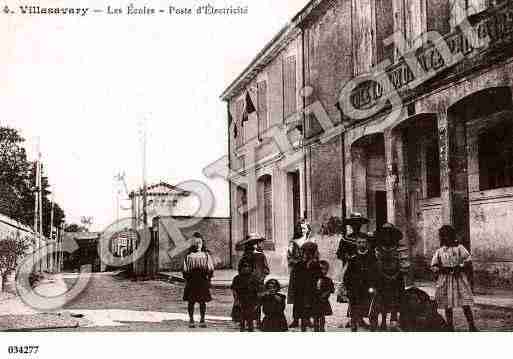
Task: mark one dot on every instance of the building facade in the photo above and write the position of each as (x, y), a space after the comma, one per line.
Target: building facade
(425, 125)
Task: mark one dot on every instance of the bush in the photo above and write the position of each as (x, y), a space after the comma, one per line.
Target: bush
(12, 249)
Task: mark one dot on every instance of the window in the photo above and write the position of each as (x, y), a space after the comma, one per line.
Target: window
(384, 29)
(262, 106)
(438, 13)
(289, 84)
(496, 157)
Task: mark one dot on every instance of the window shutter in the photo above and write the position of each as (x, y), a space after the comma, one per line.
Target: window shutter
(239, 107)
(262, 106)
(290, 86)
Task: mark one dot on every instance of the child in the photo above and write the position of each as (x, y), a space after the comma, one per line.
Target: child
(273, 305)
(452, 288)
(245, 288)
(307, 273)
(360, 281)
(198, 269)
(258, 262)
(324, 289)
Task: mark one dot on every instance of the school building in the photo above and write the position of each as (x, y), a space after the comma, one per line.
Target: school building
(424, 149)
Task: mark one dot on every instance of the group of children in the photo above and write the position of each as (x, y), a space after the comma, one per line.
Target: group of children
(312, 285)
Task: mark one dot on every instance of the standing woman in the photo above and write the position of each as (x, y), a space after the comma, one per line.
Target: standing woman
(198, 269)
(453, 289)
(302, 232)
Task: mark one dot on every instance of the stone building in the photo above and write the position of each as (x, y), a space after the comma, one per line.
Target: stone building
(425, 135)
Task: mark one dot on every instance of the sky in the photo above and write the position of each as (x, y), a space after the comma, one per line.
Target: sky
(81, 87)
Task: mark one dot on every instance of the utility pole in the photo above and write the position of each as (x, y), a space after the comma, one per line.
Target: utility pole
(38, 218)
(53, 240)
(40, 199)
(144, 190)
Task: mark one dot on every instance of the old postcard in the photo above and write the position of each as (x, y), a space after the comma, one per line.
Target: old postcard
(255, 166)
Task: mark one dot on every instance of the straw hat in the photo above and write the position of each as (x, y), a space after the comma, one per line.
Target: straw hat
(252, 239)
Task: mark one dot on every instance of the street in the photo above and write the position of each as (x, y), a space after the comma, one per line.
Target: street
(113, 303)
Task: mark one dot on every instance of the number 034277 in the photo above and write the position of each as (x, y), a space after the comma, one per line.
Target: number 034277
(22, 349)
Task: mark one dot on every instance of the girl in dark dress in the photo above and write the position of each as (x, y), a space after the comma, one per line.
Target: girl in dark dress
(307, 274)
(246, 288)
(360, 280)
(322, 306)
(273, 305)
(198, 269)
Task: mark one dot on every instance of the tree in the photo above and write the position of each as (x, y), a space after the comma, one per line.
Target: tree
(15, 176)
(17, 181)
(12, 248)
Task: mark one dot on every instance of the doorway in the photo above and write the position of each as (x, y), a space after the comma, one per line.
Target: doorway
(296, 197)
(381, 208)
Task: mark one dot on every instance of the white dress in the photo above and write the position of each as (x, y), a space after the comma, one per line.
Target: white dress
(452, 287)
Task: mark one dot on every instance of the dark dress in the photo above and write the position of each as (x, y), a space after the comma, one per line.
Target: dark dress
(274, 318)
(247, 287)
(294, 256)
(198, 270)
(346, 250)
(360, 275)
(390, 279)
(258, 263)
(306, 277)
(322, 306)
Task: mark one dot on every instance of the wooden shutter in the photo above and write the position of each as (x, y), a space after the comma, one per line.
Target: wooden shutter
(289, 82)
(438, 14)
(239, 107)
(384, 29)
(268, 208)
(262, 106)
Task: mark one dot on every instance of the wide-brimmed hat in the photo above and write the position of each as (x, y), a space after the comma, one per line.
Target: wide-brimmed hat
(355, 218)
(252, 239)
(388, 230)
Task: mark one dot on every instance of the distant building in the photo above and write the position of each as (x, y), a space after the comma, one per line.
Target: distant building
(162, 199)
(83, 251)
(170, 209)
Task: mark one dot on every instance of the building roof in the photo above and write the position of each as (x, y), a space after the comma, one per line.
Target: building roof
(288, 33)
(161, 189)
